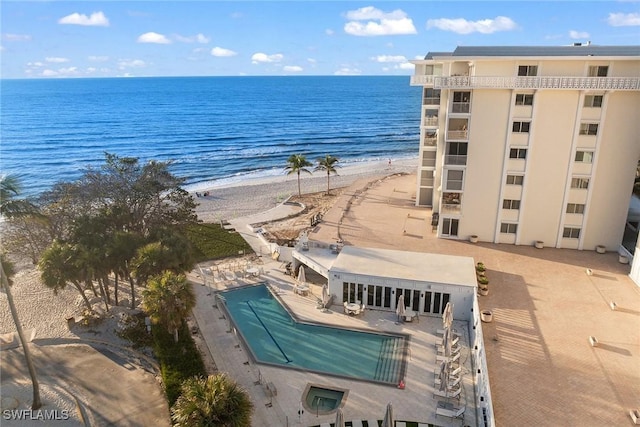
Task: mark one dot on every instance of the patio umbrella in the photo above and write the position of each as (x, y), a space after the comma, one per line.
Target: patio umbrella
(401, 310)
(388, 417)
(302, 277)
(446, 341)
(339, 418)
(447, 315)
(325, 294)
(443, 374)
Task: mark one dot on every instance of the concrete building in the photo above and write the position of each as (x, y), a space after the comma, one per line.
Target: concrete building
(527, 145)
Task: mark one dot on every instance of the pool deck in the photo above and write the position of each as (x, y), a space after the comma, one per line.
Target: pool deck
(542, 368)
(414, 403)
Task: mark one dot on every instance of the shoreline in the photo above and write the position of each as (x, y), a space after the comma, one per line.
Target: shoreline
(250, 196)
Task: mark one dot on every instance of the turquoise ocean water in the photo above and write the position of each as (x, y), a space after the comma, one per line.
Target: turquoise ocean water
(210, 128)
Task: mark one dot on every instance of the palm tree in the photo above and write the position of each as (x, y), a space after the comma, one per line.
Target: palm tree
(328, 164)
(297, 163)
(10, 207)
(168, 300)
(213, 401)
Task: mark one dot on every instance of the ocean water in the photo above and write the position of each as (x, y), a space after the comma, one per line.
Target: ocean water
(212, 129)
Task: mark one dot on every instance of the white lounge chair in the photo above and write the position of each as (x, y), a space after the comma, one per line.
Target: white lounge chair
(356, 423)
(453, 381)
(449, 394)
(451, 413)
(441, 357)
(455, 341)
(453, 373)
(372, 423)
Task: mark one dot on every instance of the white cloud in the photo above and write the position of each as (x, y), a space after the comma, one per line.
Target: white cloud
(378, 23)
(35, 64)
(16, 37)
(578, 34)
(263, 57)
(346, 71)
(389, 58)
(49, 73)
(96, 58)
(199, 38)
(406, 66)
(624, 19)
(484, 26)
(1, 48)
(131, 63)
(96, 19)
(221, 52)
(291, 68)
(152, 37)
(329, 32)
(91, 69)
(56, 59)
(312, 60)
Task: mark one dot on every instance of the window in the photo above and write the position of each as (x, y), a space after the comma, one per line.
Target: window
(518, 153)
(582, 183)
(431, 96)
(584, 156)
(588, 128)
(508, 228)
(454, 180)
(524, 99)
(594, 101)
(461, 96)
(522, 127)
(598, 71)
(515, 179)
(510, 204)
(449, 227)
(528, 70)
(460, 102)
(575, 208)
(456, 153)
(571, 233)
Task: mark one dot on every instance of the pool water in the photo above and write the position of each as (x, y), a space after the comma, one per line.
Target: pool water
(274, 337)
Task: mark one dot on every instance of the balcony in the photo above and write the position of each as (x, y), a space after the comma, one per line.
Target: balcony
(455, 160)
(431, 121)
(531, 82)
(460, 107)
(422, 80)
(431, 100)
(430, 141)
(429, 162)
(426, 182)
(457, 134)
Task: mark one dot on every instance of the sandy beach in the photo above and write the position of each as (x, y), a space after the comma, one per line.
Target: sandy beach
(251, 196)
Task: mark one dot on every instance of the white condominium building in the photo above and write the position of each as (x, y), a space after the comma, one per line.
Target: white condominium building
(526, 144)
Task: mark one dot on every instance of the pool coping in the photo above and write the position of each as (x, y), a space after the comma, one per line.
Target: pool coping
(404, 351)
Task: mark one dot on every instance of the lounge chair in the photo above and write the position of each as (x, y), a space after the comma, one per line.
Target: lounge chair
(356, 423)
(441, 332)
(372, 423)
(453, 373)
(455, 342)
(441, 357)
(453, 381)
(451, 413)
(454, 349)
(449, 394)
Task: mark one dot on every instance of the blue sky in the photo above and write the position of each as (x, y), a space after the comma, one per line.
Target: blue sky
(45, 39)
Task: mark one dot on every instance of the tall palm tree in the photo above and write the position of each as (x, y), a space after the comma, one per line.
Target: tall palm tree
(168, 300)
(11, 207)
(297, 163)
(327, 163)
(213, 401)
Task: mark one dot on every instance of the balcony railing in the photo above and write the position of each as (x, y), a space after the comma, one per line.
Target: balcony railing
(460, 107)
(431, 121)
(457, 134)
(450, 208)
(426, 182)
(431, 100)
(430, 141)
(429, 163)
(528, 82)
(455, 159)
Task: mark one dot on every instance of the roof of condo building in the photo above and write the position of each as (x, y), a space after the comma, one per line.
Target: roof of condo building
(577, 49)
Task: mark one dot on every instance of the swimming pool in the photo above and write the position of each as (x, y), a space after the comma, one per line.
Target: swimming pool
(274, 337)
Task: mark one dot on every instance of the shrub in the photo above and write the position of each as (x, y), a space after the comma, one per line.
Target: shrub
(483, 280)
(212, 241)
(480, 267)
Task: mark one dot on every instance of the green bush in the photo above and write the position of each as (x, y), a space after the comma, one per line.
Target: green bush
(212, 241)
(178, 361)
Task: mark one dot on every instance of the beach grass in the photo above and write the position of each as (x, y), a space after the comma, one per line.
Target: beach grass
(178, 360)
(212, 241)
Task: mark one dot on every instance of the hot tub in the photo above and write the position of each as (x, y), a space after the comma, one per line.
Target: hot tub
(322, 400)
